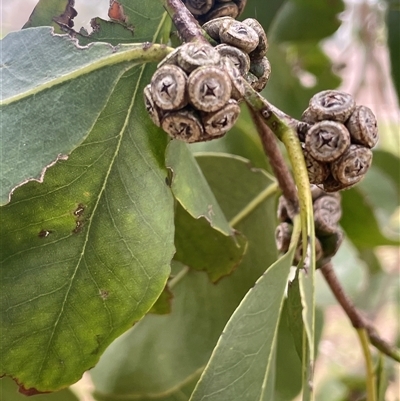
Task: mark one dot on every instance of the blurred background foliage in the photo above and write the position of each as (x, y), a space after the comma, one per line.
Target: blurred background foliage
(314, 45)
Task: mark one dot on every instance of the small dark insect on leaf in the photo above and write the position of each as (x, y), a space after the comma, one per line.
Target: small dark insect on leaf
(44, 233)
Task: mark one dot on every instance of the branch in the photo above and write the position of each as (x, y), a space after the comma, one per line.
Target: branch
(285, 128)
(357, 320)
(187, 26)
(279, 167)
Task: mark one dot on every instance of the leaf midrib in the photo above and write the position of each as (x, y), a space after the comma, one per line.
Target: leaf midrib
(138, 53)
(105, 181)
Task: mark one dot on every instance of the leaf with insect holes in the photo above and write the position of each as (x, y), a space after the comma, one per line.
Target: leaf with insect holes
(86, 253)
(47, 82)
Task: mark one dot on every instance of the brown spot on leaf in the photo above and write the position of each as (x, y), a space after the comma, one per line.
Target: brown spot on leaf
(103, 294)
(78, 227)
(66, 18)
(30, 391)
(116, 11)
(79, 210)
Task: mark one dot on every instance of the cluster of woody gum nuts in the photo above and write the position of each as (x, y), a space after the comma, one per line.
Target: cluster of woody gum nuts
(195, 92)
(206, 10)
(194, 96)
(336, 137)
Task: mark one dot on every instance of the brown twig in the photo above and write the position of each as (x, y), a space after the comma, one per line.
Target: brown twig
(278, 164)
(188, 28)
(357, 320)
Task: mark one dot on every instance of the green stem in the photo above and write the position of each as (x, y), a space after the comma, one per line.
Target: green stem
(294, 240)
(284, 127)
(371, 379)
(135, 53)
(251, 206)
(178, 277)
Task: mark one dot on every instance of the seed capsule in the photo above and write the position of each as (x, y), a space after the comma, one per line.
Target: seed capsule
(194, 55)
(238, 88)
(331, 105)
(209, 88)
(213, 26)
(199, 7)
(331, 185)
(262, 47)
(226, 9)
(241, 4)
(219, 122)
(168, 87)
(308, 116)
(283, 233)
(330, 245)
(318, 171)
(240, 35)
(262, 70)
(327, 140)
(171, 58)
(351, 167)
(154, 111)
(184, 125)
(240, 59)
(327, 213)
(363, 127)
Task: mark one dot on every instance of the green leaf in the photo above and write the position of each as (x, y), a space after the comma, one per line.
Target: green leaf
(300, 20)
(256, 9)
(52, 95)
(382, 381)
(359, 221)
(393, 41)
(288, 366)
(143, 16)
(191, 189)
(162, 353)
(389, 164)
(9, 392)
(284, 90)
(295, 319)
(106, 31)
(241, 361)
(116, 32)
(163, 304)
(383, 196)
(307, 292)
(294, 314)
(46, 11)
(86, 253)
(201, 247)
